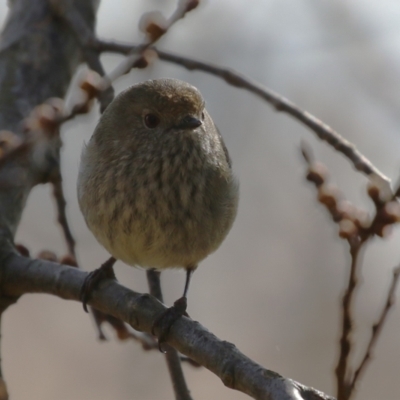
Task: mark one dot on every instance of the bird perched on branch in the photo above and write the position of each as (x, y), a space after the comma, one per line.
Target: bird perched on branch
(155, 182)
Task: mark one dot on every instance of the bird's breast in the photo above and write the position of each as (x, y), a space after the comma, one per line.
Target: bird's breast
(168, 207)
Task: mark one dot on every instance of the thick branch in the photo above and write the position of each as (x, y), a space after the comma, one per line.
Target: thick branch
(38, 57)
(21, 275)
(37, 60)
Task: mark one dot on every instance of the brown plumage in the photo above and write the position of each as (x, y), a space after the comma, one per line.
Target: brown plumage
(155, 184)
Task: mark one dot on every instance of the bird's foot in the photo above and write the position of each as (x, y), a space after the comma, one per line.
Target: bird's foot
(105, 271)
(165, 321)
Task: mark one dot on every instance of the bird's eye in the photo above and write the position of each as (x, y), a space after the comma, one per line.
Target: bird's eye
(151, 120)
(202, 115)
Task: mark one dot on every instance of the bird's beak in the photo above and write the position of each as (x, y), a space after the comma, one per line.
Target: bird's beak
(189, 122)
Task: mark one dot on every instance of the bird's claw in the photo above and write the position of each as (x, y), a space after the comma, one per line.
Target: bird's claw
(165, 321)
(106, 271)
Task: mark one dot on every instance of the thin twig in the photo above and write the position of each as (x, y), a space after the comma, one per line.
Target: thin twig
(120, 327)
(122, 330)
(357, 230)
(172, 357)
(154, 31)
(125, 332)
(98, 316)
(356, 238)
(377, 328)
(280, 103)
(322, 130)
(343, 372)
(58, 193)
(105, 96)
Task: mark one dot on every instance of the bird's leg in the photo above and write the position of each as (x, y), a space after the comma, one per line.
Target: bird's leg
(164, 322)
(189, 273)
(105, 271)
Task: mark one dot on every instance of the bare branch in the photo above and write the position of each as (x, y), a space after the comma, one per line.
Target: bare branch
(346, 219)
(58, 194)
(21, 275)
(343, 372)
(154, 26)
(377, 328)
(356, 227)
(92, 86)
(280, 103)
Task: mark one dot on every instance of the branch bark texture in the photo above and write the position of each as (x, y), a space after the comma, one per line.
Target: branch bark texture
(38, 56)
(21, 275)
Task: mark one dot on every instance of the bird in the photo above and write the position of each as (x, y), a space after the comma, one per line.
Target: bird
(155, 183)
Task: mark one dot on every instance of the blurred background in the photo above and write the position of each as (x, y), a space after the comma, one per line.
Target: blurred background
(274, 287)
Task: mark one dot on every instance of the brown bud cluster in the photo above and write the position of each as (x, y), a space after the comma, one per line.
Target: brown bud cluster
(354, 224)
(386, 216)
(92, 84)
(347, 229)
(49, 255)
(153, 24)
(45, 118)
(191, 4)
(42, 123)
(24, 251)
(317, 173)
(154, 31)
(374, 193)
(350, 219)
(147, 57)
(68, 259)
(8, 142)
(140, 63)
